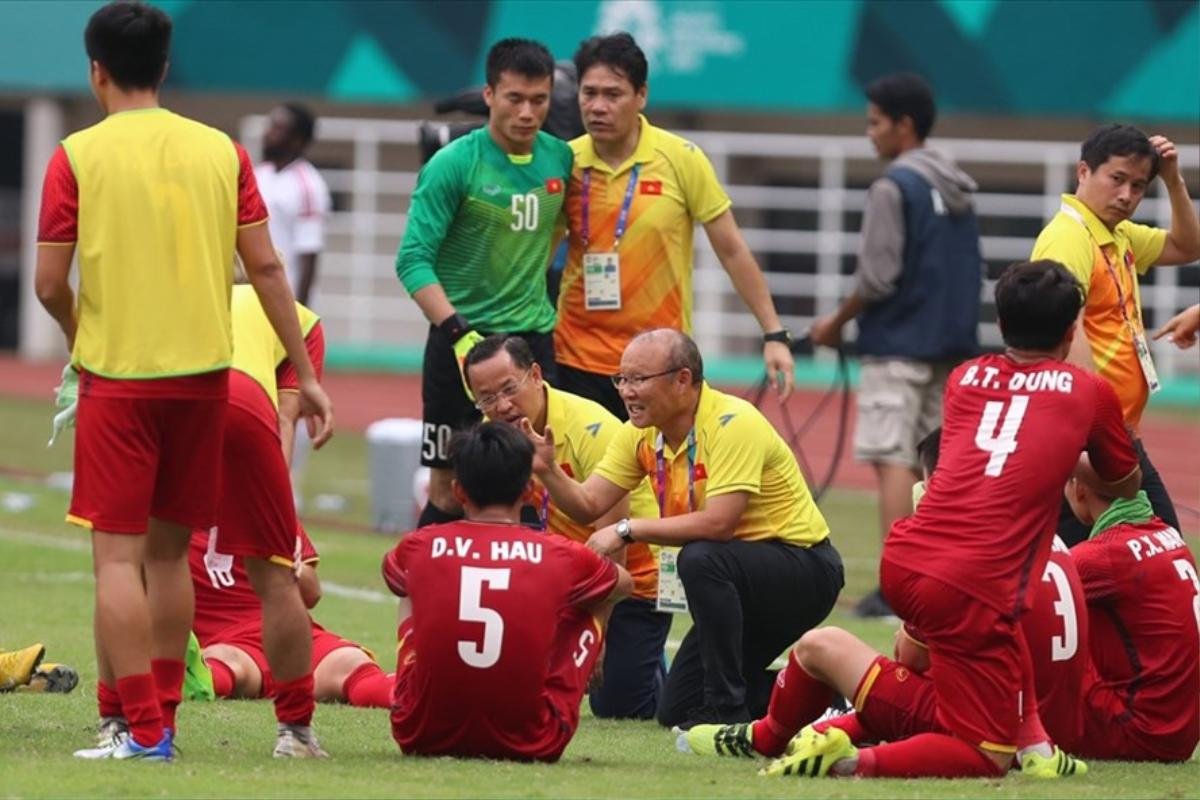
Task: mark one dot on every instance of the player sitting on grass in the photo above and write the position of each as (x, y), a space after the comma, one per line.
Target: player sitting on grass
(23, 671)
(1140, 699)
(500, 625)
(229, 626)
(893, 699)
(958, 568)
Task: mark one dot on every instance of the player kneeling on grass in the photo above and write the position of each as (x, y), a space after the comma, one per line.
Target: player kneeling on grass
(500, 625)
(229, 627)
(959, 568)
(1140, 698)
(893, 698)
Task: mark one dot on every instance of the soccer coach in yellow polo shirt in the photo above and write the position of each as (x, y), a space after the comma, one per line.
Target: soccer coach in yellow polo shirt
(1093, 237)
(508, 386)
(756, 561)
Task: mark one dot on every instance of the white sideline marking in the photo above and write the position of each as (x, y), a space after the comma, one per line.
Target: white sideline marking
(42, 540)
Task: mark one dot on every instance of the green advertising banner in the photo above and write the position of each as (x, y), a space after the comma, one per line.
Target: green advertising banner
(1111, 58)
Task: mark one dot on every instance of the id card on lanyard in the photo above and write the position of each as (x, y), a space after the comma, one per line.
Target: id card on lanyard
(602, 271)
(1137, 329)
(671, 595)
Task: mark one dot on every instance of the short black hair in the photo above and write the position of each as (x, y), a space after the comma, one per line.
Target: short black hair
(492, 463)
(928, 450)
(1117, 140)
(516, 347)
(617, 51)
(131, 41)
(1036, 304)
(905, 94)
(304, 121)
(523, 56)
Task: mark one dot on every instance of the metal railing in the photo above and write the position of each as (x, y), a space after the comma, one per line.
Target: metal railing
(363, 304)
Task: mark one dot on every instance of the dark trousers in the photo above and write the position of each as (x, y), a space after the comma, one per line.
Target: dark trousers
(749, 601)
(597, 388)
(634, 669)
(1072, 531)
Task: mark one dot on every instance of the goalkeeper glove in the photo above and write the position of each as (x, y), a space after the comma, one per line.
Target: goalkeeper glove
(462, 338)
(66, 398)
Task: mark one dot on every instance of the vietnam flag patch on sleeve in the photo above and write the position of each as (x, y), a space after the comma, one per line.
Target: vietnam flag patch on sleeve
(554, 185)
(651, 187)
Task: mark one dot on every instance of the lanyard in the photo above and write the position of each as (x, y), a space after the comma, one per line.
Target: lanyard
(545, 512)
(660, 470)
(585, 226)
(1112, 271)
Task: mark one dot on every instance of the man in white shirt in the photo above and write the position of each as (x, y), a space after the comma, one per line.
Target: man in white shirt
(296, 195)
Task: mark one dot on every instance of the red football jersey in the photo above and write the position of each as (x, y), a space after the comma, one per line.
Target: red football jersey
(487, 602)
(1011, 437)
(1143, 599)
(224, 596)
(1056, 630)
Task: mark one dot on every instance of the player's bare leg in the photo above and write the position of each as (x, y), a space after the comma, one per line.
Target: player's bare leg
(348, 675)
(172, 607)
(287, 641)
(234, 672)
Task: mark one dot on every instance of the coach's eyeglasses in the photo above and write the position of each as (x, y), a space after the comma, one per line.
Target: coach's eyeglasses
(486, 401)
(635, 381)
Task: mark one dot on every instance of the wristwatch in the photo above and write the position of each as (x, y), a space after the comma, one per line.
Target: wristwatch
(625, 531)
(782, 335)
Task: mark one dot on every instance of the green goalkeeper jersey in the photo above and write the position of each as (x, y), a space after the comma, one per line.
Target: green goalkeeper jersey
(481, 224)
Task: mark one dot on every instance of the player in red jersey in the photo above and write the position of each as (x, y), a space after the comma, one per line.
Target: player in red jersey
(229, 626)
(505, 624)
(1141, 697)
(959, 568)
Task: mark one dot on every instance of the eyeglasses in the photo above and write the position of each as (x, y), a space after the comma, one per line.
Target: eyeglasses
(486, 401)
(636, 381)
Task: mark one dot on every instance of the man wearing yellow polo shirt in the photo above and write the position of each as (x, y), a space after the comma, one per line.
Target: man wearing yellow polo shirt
(756, 561)
(1092, 236)
(635, 196)
(508, 386)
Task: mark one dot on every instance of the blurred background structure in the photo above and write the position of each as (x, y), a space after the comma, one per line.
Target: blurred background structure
(771, 90)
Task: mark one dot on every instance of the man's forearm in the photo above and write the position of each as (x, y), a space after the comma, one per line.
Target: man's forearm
(434, 304)
(570, 495)
(61, 306)
(308, 275)
(1185, 224)
(675, 531)
(751, 285)
(850, 308)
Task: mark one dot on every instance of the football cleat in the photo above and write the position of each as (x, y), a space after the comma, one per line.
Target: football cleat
(811, 754)
(17, 666)
(718, 740)
(130, 750)
(297, 741)
(52, 678)
(1059, 765)
(112, 734)
(197, 677)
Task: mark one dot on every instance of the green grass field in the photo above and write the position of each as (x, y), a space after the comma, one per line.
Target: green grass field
(46, 595)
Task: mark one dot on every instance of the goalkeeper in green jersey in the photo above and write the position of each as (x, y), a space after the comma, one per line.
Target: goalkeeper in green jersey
(480, 231)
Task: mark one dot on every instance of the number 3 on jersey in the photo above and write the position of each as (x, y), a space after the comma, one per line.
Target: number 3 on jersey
(1002, 443)
(525, 210)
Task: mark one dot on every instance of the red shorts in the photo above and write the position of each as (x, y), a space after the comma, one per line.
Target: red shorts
(143, 457)
(257, 516)
(247, 637)
(893, 702)
(421, 726)
(977, 655)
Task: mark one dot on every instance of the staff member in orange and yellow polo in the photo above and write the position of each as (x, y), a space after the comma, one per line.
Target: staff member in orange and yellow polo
(508, 386)
(756, 562)
(635, 196)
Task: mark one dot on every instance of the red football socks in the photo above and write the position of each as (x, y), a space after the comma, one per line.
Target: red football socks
(108, 700)
(139, 702)
(168, 679)
(222, 677)
(797, 699)
(928, 755)
(369, 687)
(294, 702)
(851, 724)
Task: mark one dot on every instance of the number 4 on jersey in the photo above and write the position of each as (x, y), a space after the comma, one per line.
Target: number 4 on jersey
(1001, 442)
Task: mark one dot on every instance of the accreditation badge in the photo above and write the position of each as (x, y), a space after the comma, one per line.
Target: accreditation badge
(1146, 361)
(671, 596)
(601, 281)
